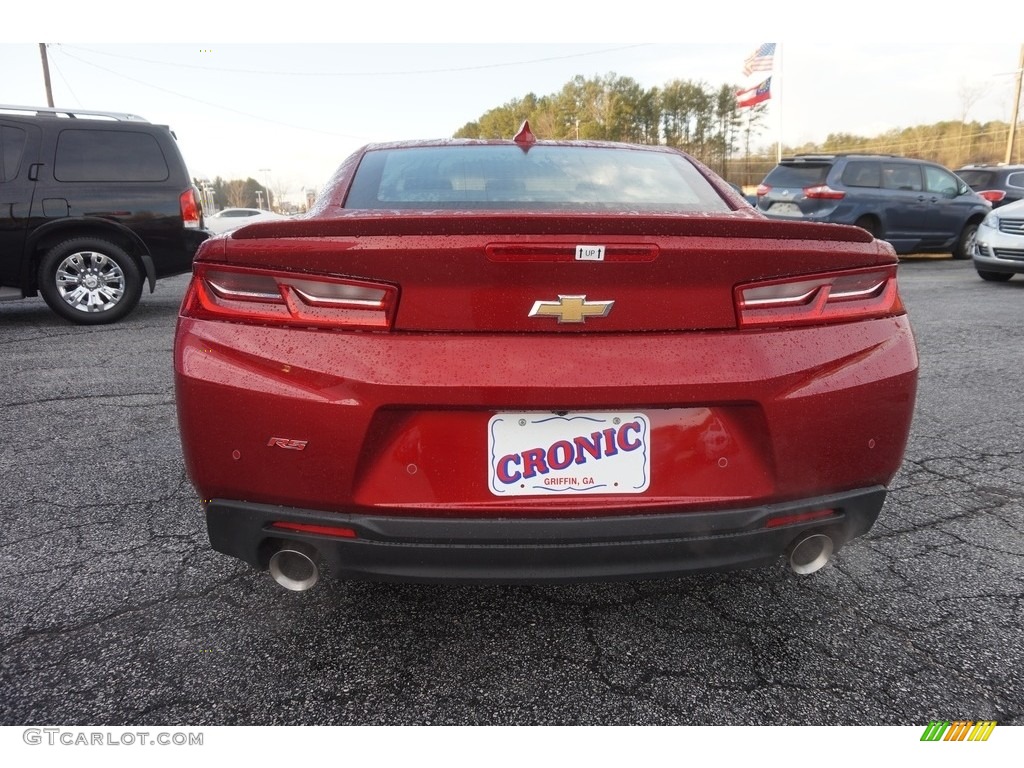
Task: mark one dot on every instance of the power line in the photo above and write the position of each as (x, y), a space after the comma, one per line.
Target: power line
(883, 144)
(213, 104)
(392, 73)
(67, 84)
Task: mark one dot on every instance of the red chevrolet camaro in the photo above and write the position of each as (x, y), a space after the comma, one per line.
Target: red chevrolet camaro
(530, 361)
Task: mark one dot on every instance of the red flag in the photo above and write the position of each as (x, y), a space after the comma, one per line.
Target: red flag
(755, 95)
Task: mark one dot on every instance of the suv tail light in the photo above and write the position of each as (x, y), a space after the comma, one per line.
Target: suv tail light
(270, 297)
(763, 189)
(829, 298)
(823, 192)
(992, 195)
(191, 210)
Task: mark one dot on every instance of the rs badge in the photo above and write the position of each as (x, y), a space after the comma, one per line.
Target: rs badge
(287, 443)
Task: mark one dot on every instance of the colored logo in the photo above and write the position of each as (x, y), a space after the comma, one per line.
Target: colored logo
(958, 730)
(571, 309)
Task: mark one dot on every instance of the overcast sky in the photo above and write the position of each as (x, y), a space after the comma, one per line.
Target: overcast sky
(300, 107)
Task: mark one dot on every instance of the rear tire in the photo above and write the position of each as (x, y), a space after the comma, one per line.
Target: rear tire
(965, 244)
(994, 277)
(89, 281)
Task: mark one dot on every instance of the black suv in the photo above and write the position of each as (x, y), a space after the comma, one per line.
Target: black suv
(91, 205)
(913, 204)
(999, 184)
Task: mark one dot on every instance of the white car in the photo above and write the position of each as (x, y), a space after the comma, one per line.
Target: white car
(233, 218)
(999, 247)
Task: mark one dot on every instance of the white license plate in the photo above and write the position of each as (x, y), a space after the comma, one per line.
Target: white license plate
(785, 209)
(549, 454)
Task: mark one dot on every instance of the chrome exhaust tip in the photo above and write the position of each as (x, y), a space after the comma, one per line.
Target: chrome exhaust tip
(810, 553)
(294, 566)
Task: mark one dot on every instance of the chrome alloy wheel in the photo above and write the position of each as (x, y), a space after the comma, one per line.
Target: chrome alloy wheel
(969, 243)
(90, 281)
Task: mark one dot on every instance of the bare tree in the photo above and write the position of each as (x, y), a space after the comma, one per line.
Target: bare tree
(237, 195)
(969, 96)
(280, 189)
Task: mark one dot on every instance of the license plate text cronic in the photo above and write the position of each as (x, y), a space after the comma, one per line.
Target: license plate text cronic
(547, 454)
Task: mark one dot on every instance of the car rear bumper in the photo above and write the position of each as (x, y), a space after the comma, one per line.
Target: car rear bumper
(176, 251)
(536, 550)
(366, 422)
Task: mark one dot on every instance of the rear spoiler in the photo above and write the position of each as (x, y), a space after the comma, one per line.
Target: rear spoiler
(735, 224)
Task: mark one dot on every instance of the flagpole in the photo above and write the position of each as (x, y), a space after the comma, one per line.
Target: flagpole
(778, 143)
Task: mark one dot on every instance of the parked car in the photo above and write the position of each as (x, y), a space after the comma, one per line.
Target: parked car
(233, 218)
(999, 184)
(999, 250)
(915, 205)
(94, 204)
(527, 361)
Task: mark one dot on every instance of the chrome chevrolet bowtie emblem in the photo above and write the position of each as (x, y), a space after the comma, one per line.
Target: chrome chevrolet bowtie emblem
(571, 309)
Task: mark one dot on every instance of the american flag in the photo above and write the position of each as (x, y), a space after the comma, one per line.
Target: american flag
(760, 60)
(755, 95)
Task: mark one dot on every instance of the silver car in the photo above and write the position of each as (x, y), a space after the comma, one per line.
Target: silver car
(232, 218)
(999, 247)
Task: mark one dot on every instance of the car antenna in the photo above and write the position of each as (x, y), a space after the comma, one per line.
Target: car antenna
(525, 137)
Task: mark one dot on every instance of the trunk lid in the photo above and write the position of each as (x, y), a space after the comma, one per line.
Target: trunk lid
(523, 272)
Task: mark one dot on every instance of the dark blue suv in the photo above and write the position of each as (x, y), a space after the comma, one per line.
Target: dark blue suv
(999, 184)
(915, 205)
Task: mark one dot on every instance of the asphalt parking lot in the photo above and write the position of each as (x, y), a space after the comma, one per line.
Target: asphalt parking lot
(116, 612)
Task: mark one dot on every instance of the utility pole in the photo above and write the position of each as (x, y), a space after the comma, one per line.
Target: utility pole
(1016, 109)
(46, 75)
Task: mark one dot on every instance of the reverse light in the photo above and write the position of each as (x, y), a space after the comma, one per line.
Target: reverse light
(823, 192)
(800, 517)
(271, 297)
(191, 212)
(320, 530)
(829, 298)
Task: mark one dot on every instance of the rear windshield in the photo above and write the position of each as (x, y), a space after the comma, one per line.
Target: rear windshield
(502, 177)
(977, 179)
(798, 175)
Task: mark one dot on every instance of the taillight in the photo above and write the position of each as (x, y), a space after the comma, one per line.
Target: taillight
(763, 189)
(992, 195)
(270, 297)
(831, 298)
(191, 211)
(823, 192)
